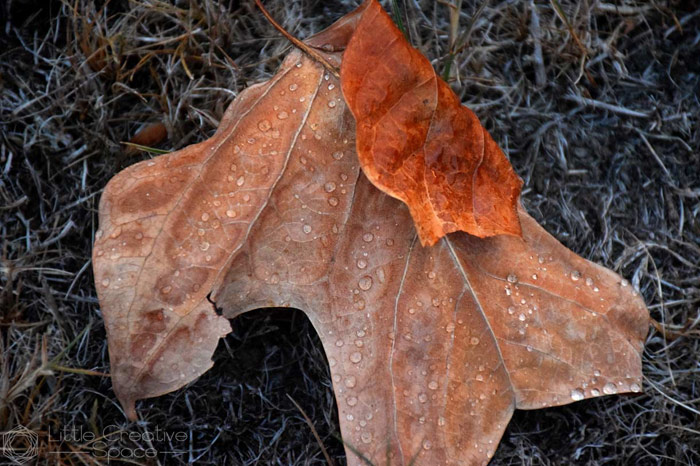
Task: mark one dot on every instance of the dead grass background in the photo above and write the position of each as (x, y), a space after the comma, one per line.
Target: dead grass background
(596, 103)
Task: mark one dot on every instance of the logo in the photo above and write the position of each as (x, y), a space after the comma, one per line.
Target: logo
(20, 444)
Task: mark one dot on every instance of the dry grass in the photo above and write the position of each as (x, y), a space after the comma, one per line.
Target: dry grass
(596, 103)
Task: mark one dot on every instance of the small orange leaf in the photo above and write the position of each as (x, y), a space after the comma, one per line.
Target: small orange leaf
(417, 143)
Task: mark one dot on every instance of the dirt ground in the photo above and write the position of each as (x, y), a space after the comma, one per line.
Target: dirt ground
(596, 103)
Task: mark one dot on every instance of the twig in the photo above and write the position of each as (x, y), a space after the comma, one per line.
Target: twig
(299, 44)
(656, 156)
(560, 12)
(311, 425)
(606, 106)
(540, 75)
(397, 14)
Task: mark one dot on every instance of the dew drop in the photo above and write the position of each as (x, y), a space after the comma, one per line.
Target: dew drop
(511, 310)
(521, 317)
(105, 282)
(282, 115)
(350, 381)
(240, 180)
(333, 201)
(381, 275)
(204, 246)
(356, 357)
(474, 341)
(351, 400)
(449, 328)
(166, 289)
(512, 278)
(331, 86)
(264, 125)
(422, 397)
(231, 213)
(306, 229)
(433, 385)
(609, 389)
(350, 417)
(367, 237)
(361, 263)
(293, 87)
(635, 388)
(366, 437)
(427, 445)
(365, 283)
(337, 155)
(339, 343)
(577, 394)
(332, 103)
(595, 392)
(575, 275)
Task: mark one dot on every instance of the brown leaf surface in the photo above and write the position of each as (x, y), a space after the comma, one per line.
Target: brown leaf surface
(430, 348)
(418, 143)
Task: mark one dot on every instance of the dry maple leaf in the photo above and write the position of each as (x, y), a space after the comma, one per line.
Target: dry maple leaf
(430, 348)
(418, 143)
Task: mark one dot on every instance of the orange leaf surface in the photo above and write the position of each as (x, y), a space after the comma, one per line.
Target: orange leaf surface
(418, 143)
(430, 348)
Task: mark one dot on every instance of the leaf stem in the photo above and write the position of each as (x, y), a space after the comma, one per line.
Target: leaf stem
(299, 44)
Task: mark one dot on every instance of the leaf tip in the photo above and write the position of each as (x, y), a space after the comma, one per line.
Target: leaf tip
(129, 406)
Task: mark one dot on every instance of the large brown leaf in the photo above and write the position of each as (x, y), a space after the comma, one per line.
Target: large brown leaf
(418, 143)
(430, 348)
